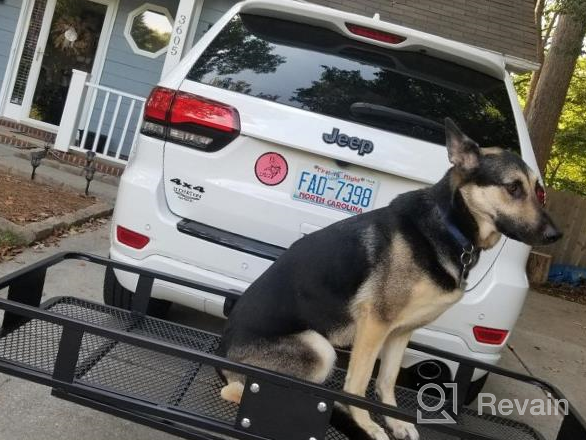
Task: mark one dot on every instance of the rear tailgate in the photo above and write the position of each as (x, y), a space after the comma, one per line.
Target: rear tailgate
(291, 170)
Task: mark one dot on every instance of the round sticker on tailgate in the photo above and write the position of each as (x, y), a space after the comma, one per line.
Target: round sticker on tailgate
(271, 168)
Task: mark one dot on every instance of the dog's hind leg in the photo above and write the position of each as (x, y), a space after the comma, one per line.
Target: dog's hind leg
(370, 336)
(306, 355)
(391, 357)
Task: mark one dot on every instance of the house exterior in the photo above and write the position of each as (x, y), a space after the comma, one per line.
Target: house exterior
(81, 69)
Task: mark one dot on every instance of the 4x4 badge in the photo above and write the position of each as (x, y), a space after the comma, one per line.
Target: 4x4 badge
(187, 191)
(363, 146)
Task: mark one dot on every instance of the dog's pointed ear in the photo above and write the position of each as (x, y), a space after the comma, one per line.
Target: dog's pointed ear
(463, 152)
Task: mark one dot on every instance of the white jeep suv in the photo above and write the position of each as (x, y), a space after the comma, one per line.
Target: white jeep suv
(288, 116)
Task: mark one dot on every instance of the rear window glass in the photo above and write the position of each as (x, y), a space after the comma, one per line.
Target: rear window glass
(319, 70)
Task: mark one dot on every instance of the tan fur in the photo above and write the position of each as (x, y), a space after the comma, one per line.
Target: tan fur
(233, 392)
(390, 304)
(427, 302)
(391, 355)
(327, 355)
(343, 336)
(371, 333)
(484, 201)
(485, 151)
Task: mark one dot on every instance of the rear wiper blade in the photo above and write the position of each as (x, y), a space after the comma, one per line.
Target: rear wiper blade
(365, 109)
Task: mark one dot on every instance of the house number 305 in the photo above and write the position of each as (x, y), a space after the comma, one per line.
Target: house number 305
(178, 35)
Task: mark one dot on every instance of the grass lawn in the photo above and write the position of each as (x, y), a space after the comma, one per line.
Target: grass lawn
(9, 239)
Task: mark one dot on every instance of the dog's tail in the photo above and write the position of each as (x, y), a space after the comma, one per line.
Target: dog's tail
(343, 422)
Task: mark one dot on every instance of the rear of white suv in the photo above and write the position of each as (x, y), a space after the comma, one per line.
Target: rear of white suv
(286, 117)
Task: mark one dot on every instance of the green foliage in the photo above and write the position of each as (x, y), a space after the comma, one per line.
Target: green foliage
(566, 169)
(577, 8)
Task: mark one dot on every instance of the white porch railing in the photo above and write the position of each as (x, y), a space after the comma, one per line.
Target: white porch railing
(107, 125)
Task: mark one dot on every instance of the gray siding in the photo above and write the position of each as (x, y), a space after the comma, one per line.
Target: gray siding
(9, 11)
(126, 71)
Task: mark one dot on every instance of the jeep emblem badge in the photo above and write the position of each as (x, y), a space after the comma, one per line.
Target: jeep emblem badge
(363, 146)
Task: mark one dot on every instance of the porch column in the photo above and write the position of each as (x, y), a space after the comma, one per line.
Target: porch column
(71, 111)
(186, 19)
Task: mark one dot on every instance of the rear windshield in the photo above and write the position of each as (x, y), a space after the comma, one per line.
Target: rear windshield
(321, 71)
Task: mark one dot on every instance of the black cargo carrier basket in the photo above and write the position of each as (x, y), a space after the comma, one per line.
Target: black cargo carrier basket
(164, 375)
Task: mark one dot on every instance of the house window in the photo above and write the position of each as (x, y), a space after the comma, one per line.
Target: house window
(148, 30)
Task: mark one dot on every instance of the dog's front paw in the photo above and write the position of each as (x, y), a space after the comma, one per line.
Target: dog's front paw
(375, 431)
(402, 430)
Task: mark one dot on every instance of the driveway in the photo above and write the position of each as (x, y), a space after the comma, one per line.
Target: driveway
(549, 342)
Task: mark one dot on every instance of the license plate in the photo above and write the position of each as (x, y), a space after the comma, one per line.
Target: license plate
(335, 189)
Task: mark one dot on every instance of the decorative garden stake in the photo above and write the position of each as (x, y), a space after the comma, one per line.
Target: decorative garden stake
(89, 170)
(37, 157)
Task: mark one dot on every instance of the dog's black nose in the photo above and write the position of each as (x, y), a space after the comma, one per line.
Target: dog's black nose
(552, 234)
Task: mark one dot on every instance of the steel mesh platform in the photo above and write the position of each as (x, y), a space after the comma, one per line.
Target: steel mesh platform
(173, 382)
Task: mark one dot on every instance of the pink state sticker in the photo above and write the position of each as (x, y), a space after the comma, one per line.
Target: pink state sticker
(271, 168)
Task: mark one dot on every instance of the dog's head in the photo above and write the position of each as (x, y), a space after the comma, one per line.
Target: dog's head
(501, 192)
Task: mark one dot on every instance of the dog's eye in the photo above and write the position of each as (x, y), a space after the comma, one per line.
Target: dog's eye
(514, 188)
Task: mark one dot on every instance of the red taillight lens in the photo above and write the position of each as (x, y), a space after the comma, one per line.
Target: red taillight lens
(540, 193)
(158, 104)
(190, 120)
(491, 336)
(131, 238)
(375, 34)
(191, 109)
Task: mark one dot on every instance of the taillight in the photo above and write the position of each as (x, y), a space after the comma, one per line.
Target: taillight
(493, 336)
(540, 193)
(158, 104)
(375, 34)
(131, 238)
(190, 119)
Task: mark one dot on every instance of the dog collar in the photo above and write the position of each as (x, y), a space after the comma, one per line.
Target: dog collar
(468, 254)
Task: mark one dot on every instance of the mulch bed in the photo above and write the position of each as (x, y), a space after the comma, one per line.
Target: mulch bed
(564, 291)
(24, 201)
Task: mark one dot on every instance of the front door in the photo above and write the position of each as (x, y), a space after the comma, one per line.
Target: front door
(61, 35)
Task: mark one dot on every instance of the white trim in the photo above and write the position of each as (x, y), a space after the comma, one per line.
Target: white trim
(186, 18)
(130, 19)
(105, 36)
(14, 111)
(71, 110)
(520, 64)
(190, 40)
(19, 37)
(35, 70)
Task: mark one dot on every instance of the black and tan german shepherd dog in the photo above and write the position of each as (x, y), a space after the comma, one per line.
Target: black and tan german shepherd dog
(369, 281)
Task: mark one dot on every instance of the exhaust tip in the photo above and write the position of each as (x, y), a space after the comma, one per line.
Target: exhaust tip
(429, 370)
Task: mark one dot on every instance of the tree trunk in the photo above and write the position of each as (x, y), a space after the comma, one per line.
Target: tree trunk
(544, 110)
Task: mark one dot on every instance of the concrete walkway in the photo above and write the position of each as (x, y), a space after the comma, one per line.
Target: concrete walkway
(549, 341)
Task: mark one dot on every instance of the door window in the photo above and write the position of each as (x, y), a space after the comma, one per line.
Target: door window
(28, 51)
